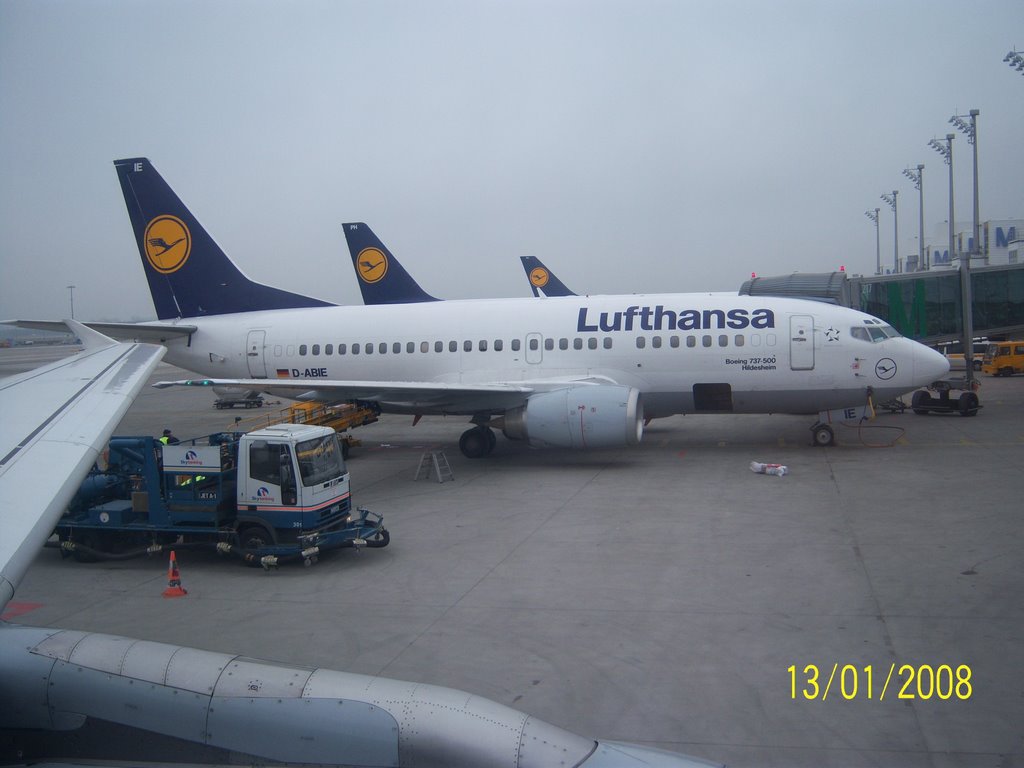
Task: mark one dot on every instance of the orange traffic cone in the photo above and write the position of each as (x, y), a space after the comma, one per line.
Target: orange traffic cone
(174, 588)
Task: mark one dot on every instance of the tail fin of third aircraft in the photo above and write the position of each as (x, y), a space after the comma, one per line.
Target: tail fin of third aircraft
(382, 279)
(189, 275)
(542, 279)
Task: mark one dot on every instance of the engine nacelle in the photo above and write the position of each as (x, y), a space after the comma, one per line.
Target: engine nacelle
(580, 416)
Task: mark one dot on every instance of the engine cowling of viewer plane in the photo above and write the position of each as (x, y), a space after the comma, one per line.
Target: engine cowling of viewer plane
(579, 417)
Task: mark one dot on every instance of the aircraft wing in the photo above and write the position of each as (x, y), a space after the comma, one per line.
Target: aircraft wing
(153, 333)
(408, 396)
(56, 420)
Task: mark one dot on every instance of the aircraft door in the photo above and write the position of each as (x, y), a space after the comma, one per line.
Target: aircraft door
(534, 348)
(801, 342)
(254, 354)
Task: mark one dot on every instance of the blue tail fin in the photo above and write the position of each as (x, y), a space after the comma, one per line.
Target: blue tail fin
(382, 279)
(189, 275)
(542, 279)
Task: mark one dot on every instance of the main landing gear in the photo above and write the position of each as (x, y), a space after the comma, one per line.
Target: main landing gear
(477, 442)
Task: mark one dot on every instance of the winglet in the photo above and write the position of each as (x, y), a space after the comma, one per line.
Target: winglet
(382, 279)
(90, 339)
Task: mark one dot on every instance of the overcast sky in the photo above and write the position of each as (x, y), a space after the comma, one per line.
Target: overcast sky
(634, 146)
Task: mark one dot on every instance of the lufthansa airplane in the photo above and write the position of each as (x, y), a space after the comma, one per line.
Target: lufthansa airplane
(571, 372)
(167, 701)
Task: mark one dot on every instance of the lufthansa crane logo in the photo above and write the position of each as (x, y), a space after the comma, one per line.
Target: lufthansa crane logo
(885, 368)
(168, 244)
(372, 265)
(539, 277)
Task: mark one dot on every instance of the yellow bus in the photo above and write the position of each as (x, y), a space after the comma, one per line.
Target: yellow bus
(1004, 358)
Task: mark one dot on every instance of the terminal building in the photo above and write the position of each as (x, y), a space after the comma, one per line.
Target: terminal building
(926, 305)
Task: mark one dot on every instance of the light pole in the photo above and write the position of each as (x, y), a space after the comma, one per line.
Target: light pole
(917, 177)
(1016, 60)
(971, 131)
(895, 231)
(71, 290)
(873, 215)
(966, 299)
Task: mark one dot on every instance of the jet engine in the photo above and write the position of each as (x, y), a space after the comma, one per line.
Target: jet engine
(580, 416)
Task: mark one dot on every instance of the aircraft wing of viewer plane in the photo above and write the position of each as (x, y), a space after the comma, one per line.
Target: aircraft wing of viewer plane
(58, 416)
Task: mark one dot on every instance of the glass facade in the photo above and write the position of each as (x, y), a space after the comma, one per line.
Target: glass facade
(927, 306)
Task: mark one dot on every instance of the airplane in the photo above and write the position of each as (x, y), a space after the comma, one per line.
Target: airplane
(56, 421)
(571, 372)
(543, 280)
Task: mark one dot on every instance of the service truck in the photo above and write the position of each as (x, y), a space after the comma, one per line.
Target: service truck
(273, 494)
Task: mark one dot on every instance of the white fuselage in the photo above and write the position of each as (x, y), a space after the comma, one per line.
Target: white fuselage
(683, 352)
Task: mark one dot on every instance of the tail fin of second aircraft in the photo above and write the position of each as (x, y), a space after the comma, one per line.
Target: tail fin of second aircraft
(189, 275)
(382, 279)
(542, 279)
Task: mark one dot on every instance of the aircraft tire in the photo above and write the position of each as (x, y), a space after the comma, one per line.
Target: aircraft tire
(475, 443)
(824, 437)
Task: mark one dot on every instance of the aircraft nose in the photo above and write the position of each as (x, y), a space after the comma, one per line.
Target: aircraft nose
(929, 364)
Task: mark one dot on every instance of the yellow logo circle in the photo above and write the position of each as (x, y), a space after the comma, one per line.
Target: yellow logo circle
(168, 244)
(372, 265)
(539, 276)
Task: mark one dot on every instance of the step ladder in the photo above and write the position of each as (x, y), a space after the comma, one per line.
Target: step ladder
(436, 461)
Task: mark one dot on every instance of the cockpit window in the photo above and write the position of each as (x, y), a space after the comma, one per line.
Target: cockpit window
(874, 331)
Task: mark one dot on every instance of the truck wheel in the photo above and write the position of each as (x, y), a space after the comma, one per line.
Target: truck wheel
(254, 537)
(919, 402)
(968, 404)
(379, 539)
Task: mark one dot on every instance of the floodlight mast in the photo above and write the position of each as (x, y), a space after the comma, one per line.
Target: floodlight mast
(873, 215)
(1016, 60)
(891, 200)
(918, 177)
(970, 129)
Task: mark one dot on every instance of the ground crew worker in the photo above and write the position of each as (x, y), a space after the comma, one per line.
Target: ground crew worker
(168, 438)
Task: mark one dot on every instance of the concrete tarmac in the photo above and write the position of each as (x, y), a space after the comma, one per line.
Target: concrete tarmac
(657, 595)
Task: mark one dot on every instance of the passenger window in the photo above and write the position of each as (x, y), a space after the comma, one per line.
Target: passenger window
(516, 344)
(342, 349)
(549, 344)
(641, 342)
(592, 343)
(691, 341)
(607, 342)
(498, 345)
(355, 349)
(706, 341)
(673, 341)
(563, 343)
(577, 343)
(723, 340)
(424, 346)
(482, 346)
(368, 348)
(329, 349)
(467, 346)
(769, 339)
(382, 348)
(439, 346)
(396, 348)
(277, 350)
(739, 340)
(656, 342)
(453, 346)
(316, 349)
(302, 349)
